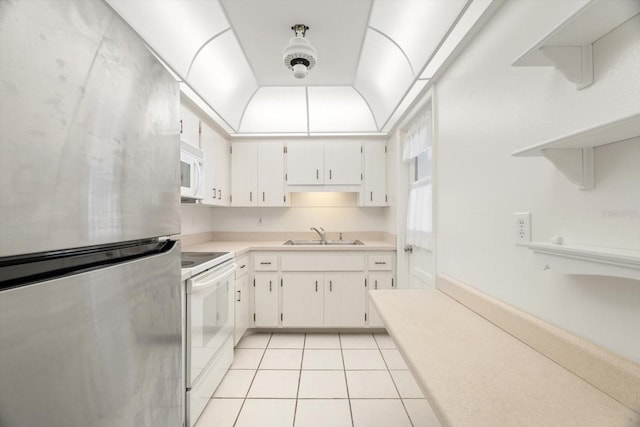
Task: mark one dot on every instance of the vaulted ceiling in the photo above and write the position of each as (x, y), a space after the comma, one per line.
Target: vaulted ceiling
(373, 58)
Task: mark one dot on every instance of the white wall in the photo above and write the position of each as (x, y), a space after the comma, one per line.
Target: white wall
(332, 219)
(487, 109)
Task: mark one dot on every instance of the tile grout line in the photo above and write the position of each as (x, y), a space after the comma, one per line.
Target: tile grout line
(394, 381)
(244, 400)
(295, 408)
(346, 382)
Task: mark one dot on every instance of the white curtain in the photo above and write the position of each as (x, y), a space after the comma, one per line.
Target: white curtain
(419, 206)
(417, 138)
(419, 216)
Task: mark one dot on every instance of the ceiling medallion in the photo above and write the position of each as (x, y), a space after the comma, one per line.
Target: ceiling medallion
(299, 56)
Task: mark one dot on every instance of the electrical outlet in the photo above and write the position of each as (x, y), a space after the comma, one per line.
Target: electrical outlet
(522, 228)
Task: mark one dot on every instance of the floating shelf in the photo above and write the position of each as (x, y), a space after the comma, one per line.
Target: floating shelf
(572, 154)
(587, 260)
(569, 48)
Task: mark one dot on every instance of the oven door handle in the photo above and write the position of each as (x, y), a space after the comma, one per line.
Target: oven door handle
(197, 286)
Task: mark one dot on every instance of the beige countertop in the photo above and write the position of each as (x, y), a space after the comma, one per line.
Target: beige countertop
(475, 374)
(241, 247)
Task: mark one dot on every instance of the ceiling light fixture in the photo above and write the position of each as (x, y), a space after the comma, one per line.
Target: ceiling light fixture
(299, 56)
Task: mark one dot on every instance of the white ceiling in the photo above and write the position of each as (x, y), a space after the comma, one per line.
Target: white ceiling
(337, 29)
(371, 56)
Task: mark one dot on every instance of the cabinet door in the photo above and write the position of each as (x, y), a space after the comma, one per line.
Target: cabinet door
(208, 142)
(380, 280)
(271, 174)
(344, 299)
(221, 169)
(343, 163)
(375, 176)
(244, 174)
(302, 300)
(242, 307)
(305, 163)
(189, 126)
(265, 299)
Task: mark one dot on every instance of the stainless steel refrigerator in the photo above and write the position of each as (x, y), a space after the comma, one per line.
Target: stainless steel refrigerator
(90, 301)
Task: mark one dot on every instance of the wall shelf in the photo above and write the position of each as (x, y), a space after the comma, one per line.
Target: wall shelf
(569, 47)
(572, 154)
(587, 260)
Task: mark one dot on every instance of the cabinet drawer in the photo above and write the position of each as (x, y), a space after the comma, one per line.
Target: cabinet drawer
(243, 266)
(380, 262)
(323, 262)
(265, 263)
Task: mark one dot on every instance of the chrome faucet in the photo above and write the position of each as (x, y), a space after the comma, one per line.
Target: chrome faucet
(323, 239)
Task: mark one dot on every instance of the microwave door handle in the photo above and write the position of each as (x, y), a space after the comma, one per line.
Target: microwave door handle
(212, 282)
(197, 177)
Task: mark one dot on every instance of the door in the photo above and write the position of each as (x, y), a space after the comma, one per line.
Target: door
(189, 126)
(375, 164)
(266, 300)
(101, 167)
(344, 299)
(244, 174)
(101, 347)
(208, 142)
(242, 307)
(271, 173)
(305, 163)
(343, 163)
(378, 280)
(222, 163)
(302, 299)
(417, 266)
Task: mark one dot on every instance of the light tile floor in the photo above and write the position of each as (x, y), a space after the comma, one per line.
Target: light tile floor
(323, 380)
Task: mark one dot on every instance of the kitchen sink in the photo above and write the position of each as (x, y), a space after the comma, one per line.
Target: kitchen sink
(321, 243)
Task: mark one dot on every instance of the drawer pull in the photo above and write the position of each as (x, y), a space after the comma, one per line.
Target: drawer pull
(243, 266)
(380, 262)
(265, 263)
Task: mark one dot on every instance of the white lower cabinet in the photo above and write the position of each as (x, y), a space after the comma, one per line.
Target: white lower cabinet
(242, 299)
(344, 299)
(318, 289)
(302, 300)
(265, 291)
(378, 280)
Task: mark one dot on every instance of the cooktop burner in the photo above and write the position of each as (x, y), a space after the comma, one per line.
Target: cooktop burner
(192, 259)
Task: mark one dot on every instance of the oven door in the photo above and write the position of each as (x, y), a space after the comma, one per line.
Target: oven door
(210, 318)
(191, 175)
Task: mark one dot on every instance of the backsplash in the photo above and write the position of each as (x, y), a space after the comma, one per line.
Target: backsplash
(199, 219)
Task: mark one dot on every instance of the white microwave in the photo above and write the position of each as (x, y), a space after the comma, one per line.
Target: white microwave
(191, 172)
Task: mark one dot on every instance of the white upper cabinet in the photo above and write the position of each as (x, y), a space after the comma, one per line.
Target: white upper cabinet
(257, 174)
(343, 163)
(374, 190)
(244, 174)
(189, 126)
(336, 162)
(305, 163)
(216, 161)
(271, 174)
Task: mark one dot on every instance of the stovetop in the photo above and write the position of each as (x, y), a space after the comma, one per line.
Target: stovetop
(193, 259)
